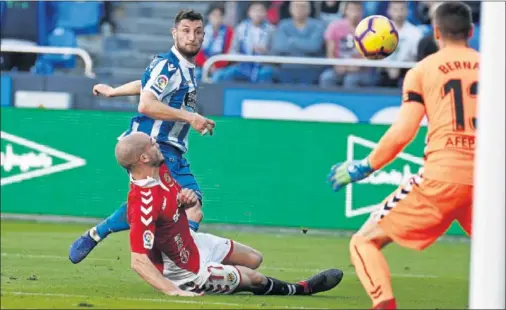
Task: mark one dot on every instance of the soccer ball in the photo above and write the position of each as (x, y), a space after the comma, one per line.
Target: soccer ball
(376, 37)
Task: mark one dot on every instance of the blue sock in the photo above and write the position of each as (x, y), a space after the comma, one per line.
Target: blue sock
(194, 225)
(114, 223)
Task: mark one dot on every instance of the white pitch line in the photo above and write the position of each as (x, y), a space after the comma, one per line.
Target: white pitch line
(153, 300)
(396, 275)
(50, 256)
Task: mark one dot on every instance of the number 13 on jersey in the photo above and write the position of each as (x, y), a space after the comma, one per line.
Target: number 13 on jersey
(462, 96)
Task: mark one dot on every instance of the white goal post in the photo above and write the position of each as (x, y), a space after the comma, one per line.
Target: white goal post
(487, 278)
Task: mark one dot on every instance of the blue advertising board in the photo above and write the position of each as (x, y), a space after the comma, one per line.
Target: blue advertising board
(6, 93)
(311, 105)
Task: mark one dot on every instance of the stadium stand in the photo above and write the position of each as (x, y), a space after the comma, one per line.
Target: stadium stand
(82, 17)
(60, 37)
(123, 36)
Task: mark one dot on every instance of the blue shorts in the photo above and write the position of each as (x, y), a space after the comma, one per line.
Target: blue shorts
(180, 168)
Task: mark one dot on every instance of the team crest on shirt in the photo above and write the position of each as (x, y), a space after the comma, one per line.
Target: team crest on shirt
(168, 179)
(148, 239)
(161, 82)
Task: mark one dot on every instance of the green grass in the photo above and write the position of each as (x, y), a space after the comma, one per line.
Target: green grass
(35, 272)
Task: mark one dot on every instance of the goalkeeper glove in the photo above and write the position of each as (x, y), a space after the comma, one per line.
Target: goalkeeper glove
(342, 174)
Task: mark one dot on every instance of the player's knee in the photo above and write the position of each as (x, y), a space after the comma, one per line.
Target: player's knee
(255, 259)
(361, 240)
(256, 278)
(355, 241)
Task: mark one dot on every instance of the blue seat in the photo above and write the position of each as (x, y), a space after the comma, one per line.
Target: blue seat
(82, 17)
(61, 37)
(42, 67)
(371, 7)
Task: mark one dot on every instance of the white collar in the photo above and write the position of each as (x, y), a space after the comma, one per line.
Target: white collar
(182, 60)
(146, 183)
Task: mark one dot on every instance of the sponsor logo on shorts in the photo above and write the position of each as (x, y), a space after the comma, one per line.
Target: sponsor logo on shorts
(148, 239)
(232, 278)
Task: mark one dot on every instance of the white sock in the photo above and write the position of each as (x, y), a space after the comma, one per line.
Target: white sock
(94, 235)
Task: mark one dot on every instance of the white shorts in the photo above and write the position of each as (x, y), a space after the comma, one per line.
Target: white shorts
(213, 276)
(212, 249)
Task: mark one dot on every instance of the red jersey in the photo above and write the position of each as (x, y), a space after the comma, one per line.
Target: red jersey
(159, 227)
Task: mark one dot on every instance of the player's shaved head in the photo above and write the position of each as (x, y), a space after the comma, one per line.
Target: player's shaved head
(454, 20)
(130, 148)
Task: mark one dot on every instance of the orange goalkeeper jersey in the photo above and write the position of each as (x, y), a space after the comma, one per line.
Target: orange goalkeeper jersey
(446, 83)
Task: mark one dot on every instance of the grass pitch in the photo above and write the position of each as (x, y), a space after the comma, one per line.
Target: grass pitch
(36, 273)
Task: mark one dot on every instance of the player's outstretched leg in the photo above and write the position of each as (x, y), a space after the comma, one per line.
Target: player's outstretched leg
(371, 266)
(89, 240)
(259, 284)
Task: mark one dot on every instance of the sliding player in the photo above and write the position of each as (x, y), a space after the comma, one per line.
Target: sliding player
(443, 87)
(164, 251)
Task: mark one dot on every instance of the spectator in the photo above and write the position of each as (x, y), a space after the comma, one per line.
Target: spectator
(18, 26)
(231, 12)
(273, 12)
(415, 8)
(339, 44)
(409, 37)
(284, 10)
(253, 36)
(217, 39)
(107, 24)
(427, 44)
(299, 36)
(423, 12)
(329, 11)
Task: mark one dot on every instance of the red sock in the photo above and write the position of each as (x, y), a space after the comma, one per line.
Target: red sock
(387, 304)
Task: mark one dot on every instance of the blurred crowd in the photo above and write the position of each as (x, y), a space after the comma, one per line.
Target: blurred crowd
(322, 29)
(313, 29)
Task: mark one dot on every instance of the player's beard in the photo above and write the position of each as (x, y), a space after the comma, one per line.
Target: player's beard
(159, 159)
(186, 52)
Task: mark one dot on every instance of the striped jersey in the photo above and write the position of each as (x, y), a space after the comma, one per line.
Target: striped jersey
(171, 78)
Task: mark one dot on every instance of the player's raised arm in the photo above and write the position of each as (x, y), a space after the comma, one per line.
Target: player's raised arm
(404, 129)
(400, 134)
(132, 88)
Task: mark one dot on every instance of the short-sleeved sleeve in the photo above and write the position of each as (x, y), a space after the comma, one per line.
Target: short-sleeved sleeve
(330, 32)
(142, 216)
(162, 79)
(412, 89)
